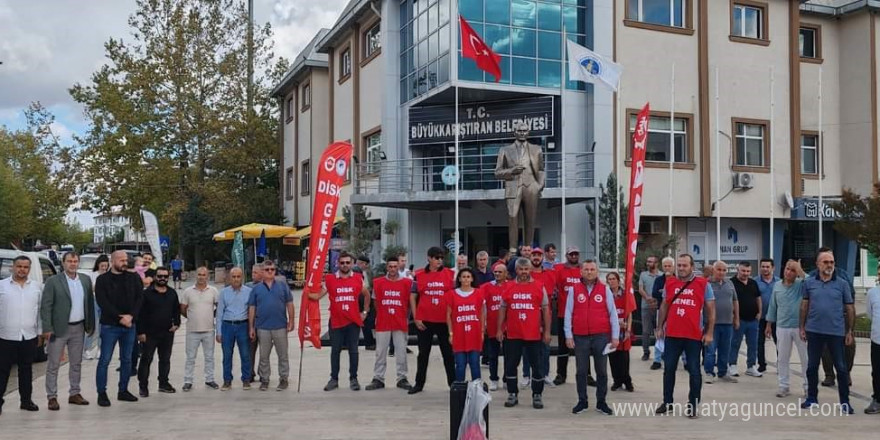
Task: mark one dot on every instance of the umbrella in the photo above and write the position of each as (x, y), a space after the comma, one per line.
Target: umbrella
(254, 231)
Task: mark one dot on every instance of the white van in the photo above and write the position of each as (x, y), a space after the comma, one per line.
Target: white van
(41, 269)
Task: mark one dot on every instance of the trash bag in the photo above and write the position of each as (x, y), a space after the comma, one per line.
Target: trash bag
(472, 426)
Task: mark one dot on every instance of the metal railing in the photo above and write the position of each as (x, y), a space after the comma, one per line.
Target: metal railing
(477, 173)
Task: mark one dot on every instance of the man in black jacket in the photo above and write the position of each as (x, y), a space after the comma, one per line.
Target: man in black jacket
(120, 295)
(157, 322)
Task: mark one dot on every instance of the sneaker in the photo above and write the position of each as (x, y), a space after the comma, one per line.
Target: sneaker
(144, 392)
(227, 385)
(603, 408)
(762, 368)
(187, 387)
(246, 385)
(166, 388)
(524, 383)
(656, 366)
(783, 392)
(493, 385)
(559, 380)
(375, 384)
(662, 408)
(581, 406)
(590, 381)
(629, 387)
(828, 382)
(537, 402)
(710, 378)
(404, 384)
(732, 371)
(264, 386)
(753, 371)
(810, 403)
(511, 401)
(331, 385)
(549, 382)
(354, 385)
(691, 411)
(727, 378)
(646, 356)
(415, 389)
(103, 400)
(282, 385)
(212, 385)
(873, 408)
(125, 396)
(847, 409)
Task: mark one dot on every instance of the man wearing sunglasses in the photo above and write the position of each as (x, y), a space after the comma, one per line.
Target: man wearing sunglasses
(159, 318)
(270, 318)
(429, 308)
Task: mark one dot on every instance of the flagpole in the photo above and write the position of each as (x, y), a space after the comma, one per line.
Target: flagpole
(457, 183)
(561, 139)
(617, 148)
(717, 171)
(819, 169)
(772, 165)
(671, 145)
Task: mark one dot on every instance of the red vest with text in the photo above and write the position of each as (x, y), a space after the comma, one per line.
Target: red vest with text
(343, 293)
(547, 277)
(492, 293)
(589, 316)
(620, 305)
(466, 314)
(685, 315)
(566, 278)
(432, 287)
(392, 304)
(523, 302)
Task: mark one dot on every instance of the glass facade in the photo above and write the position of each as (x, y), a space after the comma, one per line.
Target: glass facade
(424, 46)
(528, 36)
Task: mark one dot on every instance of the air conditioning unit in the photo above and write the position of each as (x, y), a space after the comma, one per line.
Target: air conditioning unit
(650, 227)
(743, 180)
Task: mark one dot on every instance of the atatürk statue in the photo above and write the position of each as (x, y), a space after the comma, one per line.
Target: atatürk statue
(521, 166)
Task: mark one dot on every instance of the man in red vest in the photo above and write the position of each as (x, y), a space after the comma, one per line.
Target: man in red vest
(429, 315)
(547, 277)
(493, 292)
(346, 321)
(590, 325)
(686, 297)
(525, 309)
(568, 274)
(392, 312)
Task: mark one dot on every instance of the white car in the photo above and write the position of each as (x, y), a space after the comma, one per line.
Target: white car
(87, 262)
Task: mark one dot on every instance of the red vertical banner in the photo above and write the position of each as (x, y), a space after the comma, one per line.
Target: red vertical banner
(332, 168)
(636, 185)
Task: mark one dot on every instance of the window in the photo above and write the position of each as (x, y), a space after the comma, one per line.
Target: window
(372, 42)
(810, 154)
(810, 42)
(289, 108)
(657, 148)
(305, 175)
(751, 146)
(373, 145)
(306, 96)
(748, 22)
(288, 184)
(344, 65)
(671, 13)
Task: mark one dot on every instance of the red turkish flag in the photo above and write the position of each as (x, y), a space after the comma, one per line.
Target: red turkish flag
(473, 47)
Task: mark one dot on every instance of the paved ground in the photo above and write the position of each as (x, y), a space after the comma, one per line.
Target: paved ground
(391, 414)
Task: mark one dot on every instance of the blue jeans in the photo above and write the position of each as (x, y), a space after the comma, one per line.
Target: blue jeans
(816, 344)
(749, 331)
(462, 360)
(110, 335)
(230, 335)
(721, 341)
(673, 350)
(545, 360)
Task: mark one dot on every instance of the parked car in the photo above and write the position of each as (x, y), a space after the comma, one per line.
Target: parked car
(41, 269)
(87, 262)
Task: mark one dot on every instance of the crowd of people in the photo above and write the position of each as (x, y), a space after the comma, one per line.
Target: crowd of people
(477, 314)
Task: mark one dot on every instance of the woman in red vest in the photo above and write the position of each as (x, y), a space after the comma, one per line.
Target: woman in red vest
(466, 319)
(619, 359)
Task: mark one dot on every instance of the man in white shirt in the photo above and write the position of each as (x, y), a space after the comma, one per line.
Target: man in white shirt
(20, 329)
(197, 304)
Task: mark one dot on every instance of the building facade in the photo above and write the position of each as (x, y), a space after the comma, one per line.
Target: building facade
(746, 94)
(109, 226)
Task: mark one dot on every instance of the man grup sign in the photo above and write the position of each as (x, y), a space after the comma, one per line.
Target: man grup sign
(483, 121)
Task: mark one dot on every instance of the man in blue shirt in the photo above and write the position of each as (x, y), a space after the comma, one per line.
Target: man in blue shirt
(232, 328)
(177, 271)
(270, 318)
(826, 320)
(766, 280)
(849, 349)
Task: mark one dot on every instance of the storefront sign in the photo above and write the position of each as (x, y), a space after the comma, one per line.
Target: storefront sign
(740, 240)
(485, 121)
(809, 209)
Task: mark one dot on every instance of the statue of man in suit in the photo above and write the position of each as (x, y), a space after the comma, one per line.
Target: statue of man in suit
(521, 166)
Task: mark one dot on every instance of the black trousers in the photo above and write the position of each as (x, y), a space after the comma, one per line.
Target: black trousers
(20, 353)
(619, 361)
(762, 340)
(828, 362)
(513, 353)
(161, 342)
(875, 370)
(426, 341)
(562, 350)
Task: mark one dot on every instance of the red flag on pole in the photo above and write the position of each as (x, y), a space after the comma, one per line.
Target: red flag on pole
(473, 47)
(637, 180)
(331, 176)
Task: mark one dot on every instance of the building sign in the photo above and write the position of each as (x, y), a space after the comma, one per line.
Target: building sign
(809, 209)
(740, 240)
(485, 121)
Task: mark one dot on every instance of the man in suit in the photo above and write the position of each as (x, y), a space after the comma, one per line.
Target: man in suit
(521, 166)
(67, 311)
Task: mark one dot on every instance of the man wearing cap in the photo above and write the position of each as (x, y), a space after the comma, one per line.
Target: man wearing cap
(568, 275)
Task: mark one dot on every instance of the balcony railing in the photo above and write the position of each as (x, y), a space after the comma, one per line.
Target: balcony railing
(423, 174)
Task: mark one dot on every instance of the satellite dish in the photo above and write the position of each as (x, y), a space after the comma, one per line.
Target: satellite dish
(787, 200)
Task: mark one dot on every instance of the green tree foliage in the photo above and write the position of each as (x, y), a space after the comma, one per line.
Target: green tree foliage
(170, 128)
(860, 218)
(366, 230)
(16, 210)
(607, 222)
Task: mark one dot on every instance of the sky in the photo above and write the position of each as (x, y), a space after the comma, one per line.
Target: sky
(47, 46)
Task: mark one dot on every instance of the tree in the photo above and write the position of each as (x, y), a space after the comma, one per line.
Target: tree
(860, 218)
(15, 208)
(608, 224)
(365, 232)
(171, 130)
